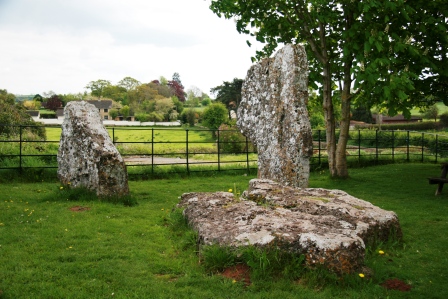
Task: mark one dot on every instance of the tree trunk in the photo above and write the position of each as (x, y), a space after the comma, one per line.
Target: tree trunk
(341, 150)
(329, 120)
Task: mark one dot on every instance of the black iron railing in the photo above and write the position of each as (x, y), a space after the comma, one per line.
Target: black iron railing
(204, 149)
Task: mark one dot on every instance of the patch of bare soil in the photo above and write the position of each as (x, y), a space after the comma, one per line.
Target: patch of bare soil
(79, 209)
(396, 284)
(240, 272)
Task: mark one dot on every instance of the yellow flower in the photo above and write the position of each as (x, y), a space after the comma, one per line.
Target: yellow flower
(234, 281)
(61, 188)
(361, 275)
(381, 252)
(230, 190)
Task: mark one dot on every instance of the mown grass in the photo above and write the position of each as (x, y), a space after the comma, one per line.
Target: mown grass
(146, 251)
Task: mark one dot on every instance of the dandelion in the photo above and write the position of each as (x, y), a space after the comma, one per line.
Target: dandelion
(234, 281)
(60, 188)
(230, 190)
(361, 275)
(381, 252)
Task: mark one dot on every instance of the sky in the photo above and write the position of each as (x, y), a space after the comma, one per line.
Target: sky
(61, 45)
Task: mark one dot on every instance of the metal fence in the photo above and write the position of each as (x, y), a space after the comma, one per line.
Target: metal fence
(202, 149)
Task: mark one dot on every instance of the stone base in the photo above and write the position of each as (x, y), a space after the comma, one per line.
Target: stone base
(330, 227)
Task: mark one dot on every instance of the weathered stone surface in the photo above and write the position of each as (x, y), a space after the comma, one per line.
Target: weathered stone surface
(87, 156)
(273, 115)
(330, 227)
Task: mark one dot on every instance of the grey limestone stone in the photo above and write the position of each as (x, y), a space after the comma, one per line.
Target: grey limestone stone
(87, 156)
(273, 115)
(330, 227)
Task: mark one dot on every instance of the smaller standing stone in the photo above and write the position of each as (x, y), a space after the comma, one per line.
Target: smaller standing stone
(87, 156)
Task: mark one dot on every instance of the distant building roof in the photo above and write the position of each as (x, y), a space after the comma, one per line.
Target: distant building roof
(396, 119)
(101, 104)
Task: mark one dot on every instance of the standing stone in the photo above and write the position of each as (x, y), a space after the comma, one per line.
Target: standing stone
(87, 157)
(273, 115)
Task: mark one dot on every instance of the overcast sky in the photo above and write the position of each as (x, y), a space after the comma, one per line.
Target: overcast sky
(62, 45)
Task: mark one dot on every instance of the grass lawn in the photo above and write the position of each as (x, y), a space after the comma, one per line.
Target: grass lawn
(112, 251)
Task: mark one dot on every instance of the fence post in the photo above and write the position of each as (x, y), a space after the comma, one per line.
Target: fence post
(152, 150)
(376, 144)
(423, 146)
(319, 146)
(186, 147)
(393, 145)
(20, 149)
(247, 156)
(113, 135)
(437, 145)
(219, 156)
(359, 146)
(407, 145)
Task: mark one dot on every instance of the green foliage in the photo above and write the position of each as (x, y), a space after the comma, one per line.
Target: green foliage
(444, 119)
(97, 87)
(124, 111)
(431, 113)
(156, 117)
(229, 93)
(206, 102)
(317, 121)
(232, 141)
(215, 115)
(414, 126)
(12, 116)
(362, 45)
(113, 113)
(190, 117)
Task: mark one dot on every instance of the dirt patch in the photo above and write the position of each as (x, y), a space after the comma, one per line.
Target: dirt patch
(396, 284)
(240, 272)
(79, 209)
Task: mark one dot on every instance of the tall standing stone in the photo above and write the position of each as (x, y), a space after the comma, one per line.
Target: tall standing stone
(273, 115)
(87, 156)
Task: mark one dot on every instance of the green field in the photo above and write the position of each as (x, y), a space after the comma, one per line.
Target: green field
(145, 251)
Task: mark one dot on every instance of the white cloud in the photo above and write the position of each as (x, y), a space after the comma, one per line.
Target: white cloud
(62, 45)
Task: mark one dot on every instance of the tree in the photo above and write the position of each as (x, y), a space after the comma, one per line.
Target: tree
(164, 107)
(162, 89)
(7, 98)
(32, 105)
(38, 97)
(432, 112)
(177, 88)
(373, 46)
(215, 115)
(114, 92)
(125, 111)
(229, 93)
(113, 113)
(128, 83)
(97, 87)
(13, 115)
(53, 103)
(190, 117)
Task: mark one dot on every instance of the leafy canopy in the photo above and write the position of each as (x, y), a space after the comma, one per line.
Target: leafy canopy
(388, 47)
